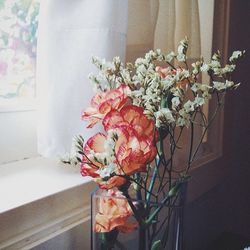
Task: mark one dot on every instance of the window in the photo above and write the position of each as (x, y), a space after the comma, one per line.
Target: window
(18, 36)
(18, 33)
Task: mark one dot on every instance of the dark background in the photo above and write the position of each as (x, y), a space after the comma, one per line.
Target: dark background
(219, 219)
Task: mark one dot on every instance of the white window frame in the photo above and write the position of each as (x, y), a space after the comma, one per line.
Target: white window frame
(18, 130)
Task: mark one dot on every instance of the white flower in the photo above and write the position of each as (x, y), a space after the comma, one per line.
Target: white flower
(228, 68)
(236, 55)
(189, 106)
(140, 61)
(182, 49)
(181, 122)
(168, 82)
(163, 117)
(199, 101)
(204, 67)
(229, 84)
(107, 170)
(181, 57)
(216, 56)
(195, 87)
(175, 102)
(215, 64)
(181, 74)
(222, 85)
(196, 67)
(169, 57)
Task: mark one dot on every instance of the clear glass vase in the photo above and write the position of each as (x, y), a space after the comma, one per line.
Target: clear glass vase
(163, 232)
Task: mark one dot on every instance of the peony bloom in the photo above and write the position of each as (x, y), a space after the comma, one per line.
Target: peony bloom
(114, 212)
(131, 116)
(104, 102)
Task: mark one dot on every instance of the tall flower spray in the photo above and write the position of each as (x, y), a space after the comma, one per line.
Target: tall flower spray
(144, 108)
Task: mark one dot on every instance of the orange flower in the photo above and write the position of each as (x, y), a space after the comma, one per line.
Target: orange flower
(90, 165)
(115, 181)
(163, 72)
(131, 116)
(114, 212)
(104, 102)
(133, 153)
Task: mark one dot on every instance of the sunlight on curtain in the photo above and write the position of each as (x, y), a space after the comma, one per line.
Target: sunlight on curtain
(163, 24)
(70, 33)
(177, 19)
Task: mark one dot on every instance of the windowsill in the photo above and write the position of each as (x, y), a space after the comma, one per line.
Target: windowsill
(25, 181)
(17, 105)
(40, 198)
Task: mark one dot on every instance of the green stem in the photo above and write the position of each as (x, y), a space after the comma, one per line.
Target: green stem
(153, 179)
(219, 104)
(173, 192)
(137, 215)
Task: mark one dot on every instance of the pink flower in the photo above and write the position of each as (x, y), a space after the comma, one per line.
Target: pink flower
(104, 102)
(90, 166)
(114, 211)
(131, 155)
(163, 72)
(130, 116)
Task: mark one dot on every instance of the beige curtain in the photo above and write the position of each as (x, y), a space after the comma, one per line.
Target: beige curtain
(162, 24)
(142, 19)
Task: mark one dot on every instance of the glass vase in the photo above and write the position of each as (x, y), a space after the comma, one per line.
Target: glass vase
(163, 232)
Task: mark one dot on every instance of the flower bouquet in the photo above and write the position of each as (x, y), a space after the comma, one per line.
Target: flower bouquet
(145, 108)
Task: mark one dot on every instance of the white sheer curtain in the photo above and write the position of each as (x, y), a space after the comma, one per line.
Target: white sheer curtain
(70, 32)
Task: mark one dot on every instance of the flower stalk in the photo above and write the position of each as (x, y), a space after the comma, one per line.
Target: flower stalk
(146, 110)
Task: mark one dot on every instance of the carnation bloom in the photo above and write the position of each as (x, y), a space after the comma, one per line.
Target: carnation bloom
(113, 212)
(131, 154)
(131, 116)
(104, 102)
(90, 165)
(163, 72)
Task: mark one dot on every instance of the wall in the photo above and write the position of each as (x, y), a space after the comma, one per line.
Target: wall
(224, 209)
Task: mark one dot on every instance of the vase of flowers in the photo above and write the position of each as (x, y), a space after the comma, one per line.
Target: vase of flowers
(114, 226)
(145, 108)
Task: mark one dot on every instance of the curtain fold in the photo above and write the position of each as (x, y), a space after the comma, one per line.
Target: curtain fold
(177, 19)
(70, 33)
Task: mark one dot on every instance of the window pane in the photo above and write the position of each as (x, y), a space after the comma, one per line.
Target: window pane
(18, 35)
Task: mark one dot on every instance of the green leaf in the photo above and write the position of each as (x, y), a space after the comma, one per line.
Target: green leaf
(156, 245)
